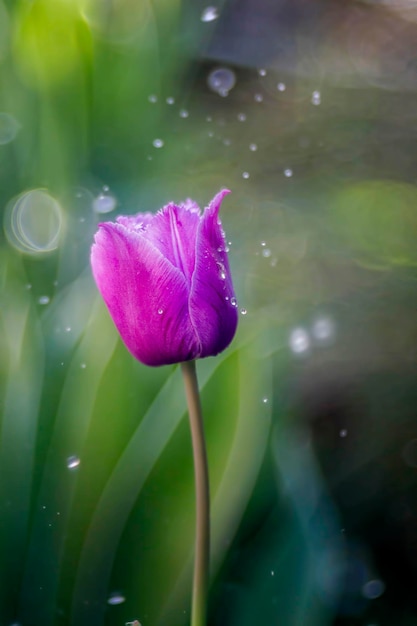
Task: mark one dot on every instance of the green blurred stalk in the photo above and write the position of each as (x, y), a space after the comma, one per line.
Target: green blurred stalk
(202, 536)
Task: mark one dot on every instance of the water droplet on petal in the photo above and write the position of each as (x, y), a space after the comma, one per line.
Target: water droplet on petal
(316, 98)
(209, 14)
(243, 311)
(221, 80)
(44, 300)
(233, 302)
(157, 143)
(73, 462)
(160, 311)
(281, 87)
(288, 172)
(116, 598)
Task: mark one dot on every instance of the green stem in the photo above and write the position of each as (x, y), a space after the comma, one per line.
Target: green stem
(202, 536)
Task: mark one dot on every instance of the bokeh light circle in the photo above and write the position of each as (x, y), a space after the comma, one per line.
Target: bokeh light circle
(33, 222)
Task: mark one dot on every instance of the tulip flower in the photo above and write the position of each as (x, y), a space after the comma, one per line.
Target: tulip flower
(165, 279)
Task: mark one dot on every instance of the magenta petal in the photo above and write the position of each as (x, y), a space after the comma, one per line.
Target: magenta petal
(146, 295)
(212, 305)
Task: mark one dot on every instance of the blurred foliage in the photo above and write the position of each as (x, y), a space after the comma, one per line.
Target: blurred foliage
(111, 107)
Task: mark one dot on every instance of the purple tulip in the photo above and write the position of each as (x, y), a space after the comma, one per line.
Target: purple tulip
(166, 281)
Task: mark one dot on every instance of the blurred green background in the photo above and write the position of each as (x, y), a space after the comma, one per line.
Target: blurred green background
(307, 111)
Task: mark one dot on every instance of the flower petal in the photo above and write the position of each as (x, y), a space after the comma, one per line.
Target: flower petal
(146, 296)
(173, 231)
(212, 304)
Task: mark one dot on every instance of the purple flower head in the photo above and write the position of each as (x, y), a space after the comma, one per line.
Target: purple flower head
(166, 281)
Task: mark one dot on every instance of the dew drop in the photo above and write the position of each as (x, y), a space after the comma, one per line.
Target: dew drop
(245, 175)
(241, 117)
(243, 311)
(288, 172)
(281, 87)
(221, 80)
(184, 113)
(323, 329)
(258, 97)
(44, 300)
(299, 341)
(253, 147)
(209, 14)
(104, 203)
(316, 98)
(157, 143)
(170, 100)
(160, 311)
(116, 598)
(73, 462)
(233, 302)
